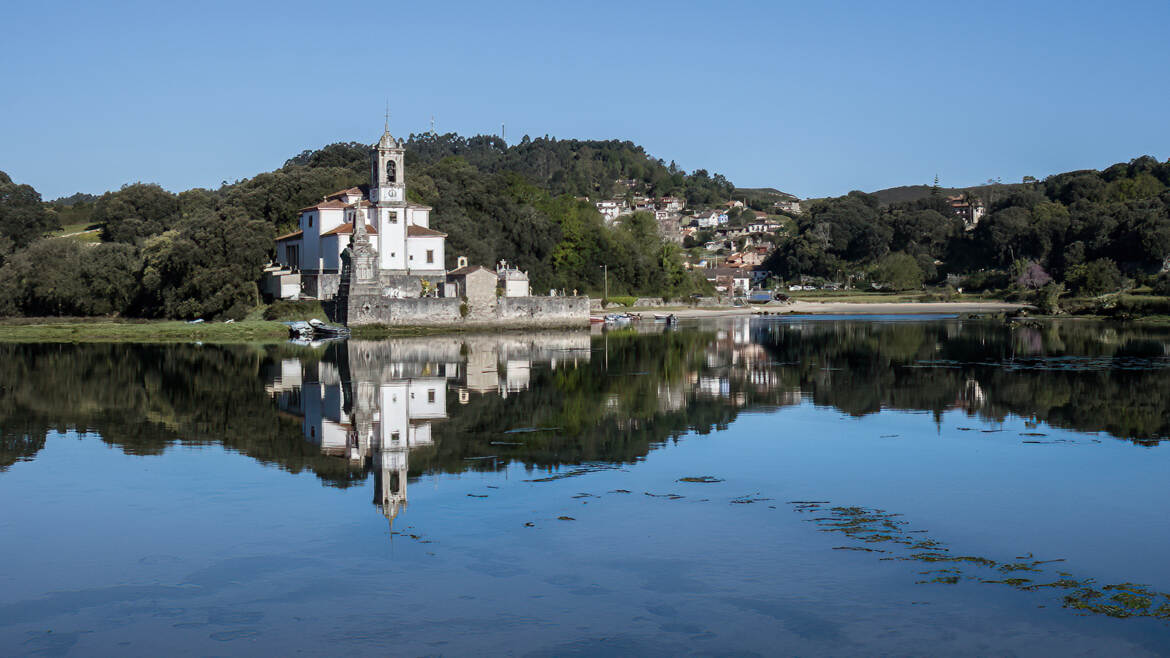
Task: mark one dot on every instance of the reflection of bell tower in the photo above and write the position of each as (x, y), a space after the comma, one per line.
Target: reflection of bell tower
(387, 169)
(390, 480)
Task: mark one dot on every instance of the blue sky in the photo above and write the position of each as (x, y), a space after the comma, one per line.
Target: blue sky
(815, 98)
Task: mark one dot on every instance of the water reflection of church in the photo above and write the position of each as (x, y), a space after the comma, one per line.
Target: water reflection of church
(373, 403)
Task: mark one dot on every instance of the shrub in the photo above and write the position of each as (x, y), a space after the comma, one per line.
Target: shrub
(621, 300)
(284, 309)
(1094, 278)
(1161, 284)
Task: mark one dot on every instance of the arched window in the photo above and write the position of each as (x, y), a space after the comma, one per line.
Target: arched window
(391, 172)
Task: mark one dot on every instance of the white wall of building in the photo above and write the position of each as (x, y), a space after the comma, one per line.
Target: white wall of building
(417, 248)
(392, 238)
(516, 288)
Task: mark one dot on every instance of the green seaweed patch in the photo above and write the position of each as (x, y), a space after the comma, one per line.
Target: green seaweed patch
(1017, 566)
(945, 580)
(1014, 582)
(864, 525)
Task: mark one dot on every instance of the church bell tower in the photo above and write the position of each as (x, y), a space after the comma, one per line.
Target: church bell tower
(388, 170)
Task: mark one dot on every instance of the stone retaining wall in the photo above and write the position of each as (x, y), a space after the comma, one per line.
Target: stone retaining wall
(448, 312)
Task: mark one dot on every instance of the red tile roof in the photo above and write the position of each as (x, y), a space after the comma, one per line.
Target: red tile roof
(353, 190)
(290, 236)
(347, 229)
(416, 231)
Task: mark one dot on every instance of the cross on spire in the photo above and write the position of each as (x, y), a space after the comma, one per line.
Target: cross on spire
(387, 127)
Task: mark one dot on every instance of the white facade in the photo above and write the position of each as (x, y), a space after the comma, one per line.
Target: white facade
(399, 231)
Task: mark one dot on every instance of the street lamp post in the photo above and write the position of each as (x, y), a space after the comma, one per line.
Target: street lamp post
(605, 270)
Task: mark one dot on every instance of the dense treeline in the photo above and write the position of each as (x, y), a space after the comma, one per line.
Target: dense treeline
(199, 253)
(1086, 230)
(1089, 229)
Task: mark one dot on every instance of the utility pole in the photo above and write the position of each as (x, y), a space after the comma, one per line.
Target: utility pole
(605, 270)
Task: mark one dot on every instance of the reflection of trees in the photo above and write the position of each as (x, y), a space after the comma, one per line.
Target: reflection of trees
(636, 392)
(143, 398)
(1079, 376)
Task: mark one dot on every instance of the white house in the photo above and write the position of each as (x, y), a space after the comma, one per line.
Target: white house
(399, 230)
(710, 218)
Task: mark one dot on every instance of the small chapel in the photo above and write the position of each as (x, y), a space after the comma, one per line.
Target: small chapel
(408, 250)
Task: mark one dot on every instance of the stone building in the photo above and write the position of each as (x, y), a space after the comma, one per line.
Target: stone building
(475, 283)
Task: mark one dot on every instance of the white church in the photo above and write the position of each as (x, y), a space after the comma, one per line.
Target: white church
(309, 259)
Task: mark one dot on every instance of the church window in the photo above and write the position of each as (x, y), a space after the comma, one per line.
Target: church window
(431, 395)
(391, 171)
(430, 255)
(310, 221)
(394, 437)
(393, 215)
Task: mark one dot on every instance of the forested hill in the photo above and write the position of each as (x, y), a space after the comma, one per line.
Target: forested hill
(909, 193)
(560, 166)
(1089, 231)
(198, 253)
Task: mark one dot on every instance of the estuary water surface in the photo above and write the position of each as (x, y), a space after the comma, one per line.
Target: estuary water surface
(830, 486)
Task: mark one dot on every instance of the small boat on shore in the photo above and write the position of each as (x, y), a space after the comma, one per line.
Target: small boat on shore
(668, 318)
(316, 330)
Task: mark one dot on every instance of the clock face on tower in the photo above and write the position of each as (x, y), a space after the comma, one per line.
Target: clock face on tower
(388, 194)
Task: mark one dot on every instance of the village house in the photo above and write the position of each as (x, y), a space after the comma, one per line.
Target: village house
(672, 203)
(668, 225)
(728, 280)
(969, 209)
(710, 218)
(789, 205)
(610, 209)
(753, 257)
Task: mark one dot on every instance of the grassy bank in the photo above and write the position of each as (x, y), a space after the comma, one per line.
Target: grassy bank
(69, 330)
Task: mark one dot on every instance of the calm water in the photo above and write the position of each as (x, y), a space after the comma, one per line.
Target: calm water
(828, 486)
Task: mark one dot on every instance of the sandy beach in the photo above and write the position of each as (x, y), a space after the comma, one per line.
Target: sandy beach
(845, 308)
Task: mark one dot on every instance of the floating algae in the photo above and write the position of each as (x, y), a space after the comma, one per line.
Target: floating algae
(866, 526)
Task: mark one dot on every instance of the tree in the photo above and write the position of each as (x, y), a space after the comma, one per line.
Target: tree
(61, 276)
(1094, 278)
(899, 271)
(1031, 276)
(23, 218)
(135, 212)
(206, 268)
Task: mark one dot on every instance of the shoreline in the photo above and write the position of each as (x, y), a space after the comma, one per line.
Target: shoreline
(70, 330)
(837, 308)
